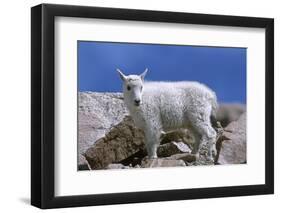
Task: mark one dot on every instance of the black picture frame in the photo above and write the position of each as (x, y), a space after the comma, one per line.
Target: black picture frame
(43, 102)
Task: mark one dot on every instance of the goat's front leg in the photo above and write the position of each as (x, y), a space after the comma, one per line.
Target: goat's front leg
(152, 141)
(152, 151)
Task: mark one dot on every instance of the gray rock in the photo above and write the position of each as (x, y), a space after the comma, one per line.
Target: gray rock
(83, 163)
(181, 135)
(161, 162)
(107, 137)
(172, 148)
(117, 166)
(122, 141)
(186, 157)
(231, 145)
(98, 112)
(227, 113)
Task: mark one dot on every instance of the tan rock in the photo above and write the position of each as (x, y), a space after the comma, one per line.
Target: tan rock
(117, 166)
(232, 147)
(172, 148)
(186, 157)
(160, 162)
(97, 113)
(120, 142)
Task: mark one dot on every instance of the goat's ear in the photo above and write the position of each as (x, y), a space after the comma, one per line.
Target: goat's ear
(143, 74)
(122, 76)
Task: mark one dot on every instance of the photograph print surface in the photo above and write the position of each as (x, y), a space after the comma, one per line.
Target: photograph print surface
(159, 105)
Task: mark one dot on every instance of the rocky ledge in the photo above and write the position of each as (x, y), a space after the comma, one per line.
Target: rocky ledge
(97, 114)
(108, 139)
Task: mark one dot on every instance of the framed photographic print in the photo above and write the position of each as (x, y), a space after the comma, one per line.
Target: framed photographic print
(139, 106)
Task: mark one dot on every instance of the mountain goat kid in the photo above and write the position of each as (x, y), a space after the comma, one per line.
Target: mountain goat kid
(157, 107)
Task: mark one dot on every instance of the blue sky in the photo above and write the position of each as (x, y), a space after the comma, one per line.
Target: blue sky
(222, 69)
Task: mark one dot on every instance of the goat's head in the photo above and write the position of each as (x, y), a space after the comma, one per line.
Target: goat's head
(132, 87)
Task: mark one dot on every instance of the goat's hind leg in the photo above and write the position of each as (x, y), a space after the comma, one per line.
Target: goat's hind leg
(197, 142)
(210, 137)
(204, 133)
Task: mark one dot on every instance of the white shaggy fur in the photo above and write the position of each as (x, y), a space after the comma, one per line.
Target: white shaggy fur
(157, 107)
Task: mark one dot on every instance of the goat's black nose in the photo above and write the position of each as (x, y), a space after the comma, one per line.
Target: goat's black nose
(137, 101)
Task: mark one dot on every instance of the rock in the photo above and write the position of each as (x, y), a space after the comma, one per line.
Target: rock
(181, 135)
(160, 162)
(172, 148)
(186, 157)
(117, 166)
(231, 145)
(227, 113)
(122, 141)
(83, 163)
(134, 159)
(97, 114)
(107, 136)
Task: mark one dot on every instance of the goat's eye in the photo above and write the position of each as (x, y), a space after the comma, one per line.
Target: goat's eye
(141, 88)
(128, 88)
